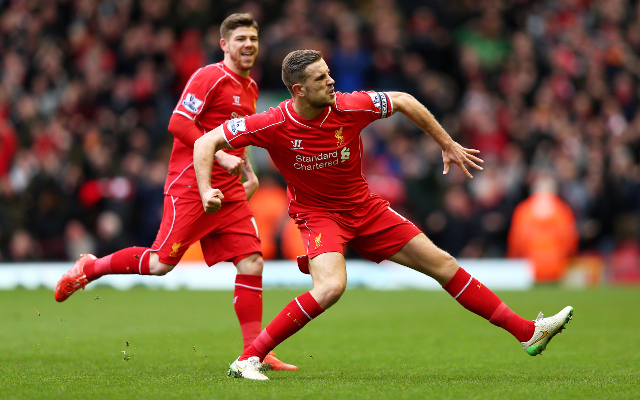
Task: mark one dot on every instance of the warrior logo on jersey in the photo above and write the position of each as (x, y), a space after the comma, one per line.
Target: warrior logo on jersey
(236, 125)
(380, 102)
(236, 101)
(297, 144)
(192, 103)
(339, 137)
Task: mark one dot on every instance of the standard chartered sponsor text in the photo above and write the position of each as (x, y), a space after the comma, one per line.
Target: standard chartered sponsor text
(310, 163)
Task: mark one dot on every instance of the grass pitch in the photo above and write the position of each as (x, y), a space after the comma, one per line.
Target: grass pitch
(139, 344)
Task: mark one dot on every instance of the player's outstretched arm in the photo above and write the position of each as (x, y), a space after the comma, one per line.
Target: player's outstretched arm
(204, 150)
(251, 182)
(452, 151)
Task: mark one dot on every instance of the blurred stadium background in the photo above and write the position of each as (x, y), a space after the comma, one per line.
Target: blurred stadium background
(547, 90)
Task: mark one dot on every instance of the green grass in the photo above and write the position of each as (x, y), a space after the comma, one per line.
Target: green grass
(371, 345)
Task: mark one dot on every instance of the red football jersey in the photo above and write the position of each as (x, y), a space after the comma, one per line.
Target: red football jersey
(213, 95)
(319, 158)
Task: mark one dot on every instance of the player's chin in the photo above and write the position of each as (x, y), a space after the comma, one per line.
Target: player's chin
(249, 60)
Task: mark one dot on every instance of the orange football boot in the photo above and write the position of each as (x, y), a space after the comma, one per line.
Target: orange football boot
(270, 362)
(73, 280)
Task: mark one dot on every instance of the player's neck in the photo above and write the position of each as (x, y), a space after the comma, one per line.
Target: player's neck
(242, 72)
(305, 110)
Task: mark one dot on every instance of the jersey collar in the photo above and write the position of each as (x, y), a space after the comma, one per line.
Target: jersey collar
(316, 122)
(245, 82)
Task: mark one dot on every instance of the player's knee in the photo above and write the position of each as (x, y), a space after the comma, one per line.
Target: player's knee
(328, 291)
(334, 290)
(159, 268)
(449, 261)
(251, 265)
(448, 264)
(255, 268)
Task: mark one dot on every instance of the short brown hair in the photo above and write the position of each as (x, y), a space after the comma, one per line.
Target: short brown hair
(236, 20)
(295, 64)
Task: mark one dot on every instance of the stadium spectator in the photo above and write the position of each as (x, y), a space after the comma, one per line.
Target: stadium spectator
(212, 95)
(331, 202)
(544, 231)
(453, 227)
(78, 239)
(23, 248)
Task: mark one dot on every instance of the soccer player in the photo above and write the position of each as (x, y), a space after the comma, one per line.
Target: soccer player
(214, 94)
(314, 140)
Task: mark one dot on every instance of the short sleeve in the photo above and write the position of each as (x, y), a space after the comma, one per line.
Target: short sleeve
(256, 130)
(366, 106)
(198, 92)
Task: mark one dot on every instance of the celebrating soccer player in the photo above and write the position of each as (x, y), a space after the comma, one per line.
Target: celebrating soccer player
(214, 94)
(314, 140)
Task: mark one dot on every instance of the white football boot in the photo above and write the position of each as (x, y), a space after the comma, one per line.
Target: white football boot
(247, 369)
(546, 329)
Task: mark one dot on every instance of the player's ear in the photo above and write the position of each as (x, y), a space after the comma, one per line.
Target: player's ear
(298, 89)
(224, 45)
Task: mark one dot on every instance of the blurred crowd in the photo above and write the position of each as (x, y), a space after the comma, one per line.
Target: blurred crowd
(542, 88)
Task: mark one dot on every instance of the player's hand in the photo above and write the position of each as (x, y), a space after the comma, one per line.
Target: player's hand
(456, 154)
(212, 200)
(231, 163)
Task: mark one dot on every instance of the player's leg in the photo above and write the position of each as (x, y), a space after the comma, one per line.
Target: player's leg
(236, 239)
(132, 260)
(324, 239)
(422, 255)
(385, 234)
(247, 297)
(158, 268)
(247, 301)
(251, 265)
(329, 275)
(176, 219)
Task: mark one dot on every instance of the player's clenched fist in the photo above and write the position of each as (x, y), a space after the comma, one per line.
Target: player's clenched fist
(212, 200)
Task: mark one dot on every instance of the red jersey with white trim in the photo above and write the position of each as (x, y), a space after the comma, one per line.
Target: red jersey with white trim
(213, 95)
(319, 158)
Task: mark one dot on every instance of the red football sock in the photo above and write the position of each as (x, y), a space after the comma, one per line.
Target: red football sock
(132, 260)
(291, 319)
(247, 300)
(480, 300)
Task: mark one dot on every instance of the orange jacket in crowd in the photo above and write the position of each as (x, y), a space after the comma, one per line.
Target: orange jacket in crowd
(543, 230)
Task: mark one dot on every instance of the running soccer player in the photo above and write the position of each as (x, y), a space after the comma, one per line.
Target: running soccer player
(214, 94)
(314, 140)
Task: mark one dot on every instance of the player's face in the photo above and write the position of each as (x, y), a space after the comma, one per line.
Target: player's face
(242, 47)
(318, 87)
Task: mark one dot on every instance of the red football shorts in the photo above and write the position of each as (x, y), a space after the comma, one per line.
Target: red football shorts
(373, 230)
(230, 234)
